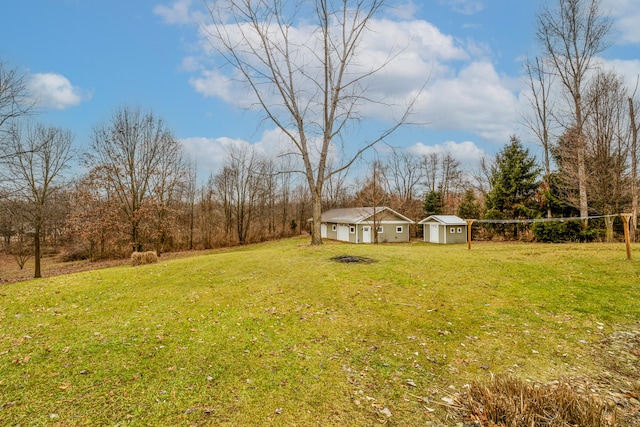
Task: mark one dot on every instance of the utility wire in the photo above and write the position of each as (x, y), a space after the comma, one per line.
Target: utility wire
(530, 220)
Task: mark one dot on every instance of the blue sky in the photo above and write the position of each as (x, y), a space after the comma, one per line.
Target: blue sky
(86, 58)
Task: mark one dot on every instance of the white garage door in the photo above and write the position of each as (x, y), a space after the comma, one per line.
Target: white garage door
(343, 233)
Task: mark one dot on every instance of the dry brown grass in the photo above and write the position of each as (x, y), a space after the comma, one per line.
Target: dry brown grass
(507, 401)
(142, 258)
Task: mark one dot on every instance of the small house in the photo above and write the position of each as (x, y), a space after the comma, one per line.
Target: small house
(356, 225)
(445, 229)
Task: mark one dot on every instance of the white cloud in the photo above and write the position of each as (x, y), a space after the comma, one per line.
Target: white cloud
(404, 11)
(211, 153)
(629, 69)
(476, 100)
(463, 91)
(625, 15)
(51, 90)
(466, 7)
(212, 83)
(466, 152)
(180, 12)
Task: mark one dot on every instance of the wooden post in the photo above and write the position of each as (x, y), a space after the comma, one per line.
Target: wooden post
(625, 219)
(469, 222)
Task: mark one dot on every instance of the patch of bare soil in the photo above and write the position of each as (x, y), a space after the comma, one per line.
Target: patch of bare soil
(352, 259)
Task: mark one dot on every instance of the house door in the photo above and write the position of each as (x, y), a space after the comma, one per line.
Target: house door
(366, 234)
(433, 233)
(343, 233)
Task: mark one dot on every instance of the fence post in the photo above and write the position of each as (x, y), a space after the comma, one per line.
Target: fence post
(469, 222)
(625, 219)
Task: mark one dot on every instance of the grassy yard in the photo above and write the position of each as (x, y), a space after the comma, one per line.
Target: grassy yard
(280, 334)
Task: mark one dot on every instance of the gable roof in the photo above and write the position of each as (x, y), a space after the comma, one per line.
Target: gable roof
(357, 215)
(444, 220)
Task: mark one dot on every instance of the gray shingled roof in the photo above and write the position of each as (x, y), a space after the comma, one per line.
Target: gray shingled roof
(444, 219)
(356, 215)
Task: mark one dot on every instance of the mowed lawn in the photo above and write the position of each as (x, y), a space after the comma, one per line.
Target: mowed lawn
(280, 334)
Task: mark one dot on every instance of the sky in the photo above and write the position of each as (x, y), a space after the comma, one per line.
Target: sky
(84, 59)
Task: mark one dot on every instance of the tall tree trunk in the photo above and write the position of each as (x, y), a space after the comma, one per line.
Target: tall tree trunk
(316, 235)
(634, 171)
(36, 251)
(582, 169)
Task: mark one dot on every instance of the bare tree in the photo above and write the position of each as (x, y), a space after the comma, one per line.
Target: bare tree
(133, 155)
(239, 186)
(209, 214)
(312, 88)
(41, 154)
(373, 194)
(336, 191)
(190, 190)
(429, 164)
(442, 174)
(633, 106)
(172, 172)
(572, 35)
(403, 176)
(14, 99)
(540, 81)
(606, 134)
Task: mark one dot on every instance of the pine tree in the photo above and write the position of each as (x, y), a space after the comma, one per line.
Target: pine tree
(434, 203)
(514, 182)
(469, 207)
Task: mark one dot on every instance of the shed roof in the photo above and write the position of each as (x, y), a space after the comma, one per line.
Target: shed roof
(357, 215)
(444, 220)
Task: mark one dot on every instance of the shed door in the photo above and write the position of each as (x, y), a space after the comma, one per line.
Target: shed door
(343, 232)
(323, 230)
(366, 234)
(433, 233)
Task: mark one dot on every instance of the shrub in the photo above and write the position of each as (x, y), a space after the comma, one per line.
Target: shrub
(508, 401)
(141, 258)
(21, 252)
(76, 253)
(565, 231)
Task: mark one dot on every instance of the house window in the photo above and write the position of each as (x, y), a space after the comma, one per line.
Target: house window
(399, 229)
(333, 227)
(452, 230)
(352, 229)
(459, 229)
(380, 230)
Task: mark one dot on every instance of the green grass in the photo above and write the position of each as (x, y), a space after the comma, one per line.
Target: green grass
(279, 334)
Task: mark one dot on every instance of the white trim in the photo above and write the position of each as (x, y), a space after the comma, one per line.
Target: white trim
(384, 222)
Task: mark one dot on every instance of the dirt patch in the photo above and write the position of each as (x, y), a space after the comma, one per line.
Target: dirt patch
(352, 259)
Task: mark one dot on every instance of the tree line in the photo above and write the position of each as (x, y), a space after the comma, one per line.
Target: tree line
(134, 188)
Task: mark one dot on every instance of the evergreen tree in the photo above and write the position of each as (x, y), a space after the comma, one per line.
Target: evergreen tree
(514, 182)
(434, 203)
(469, 207)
